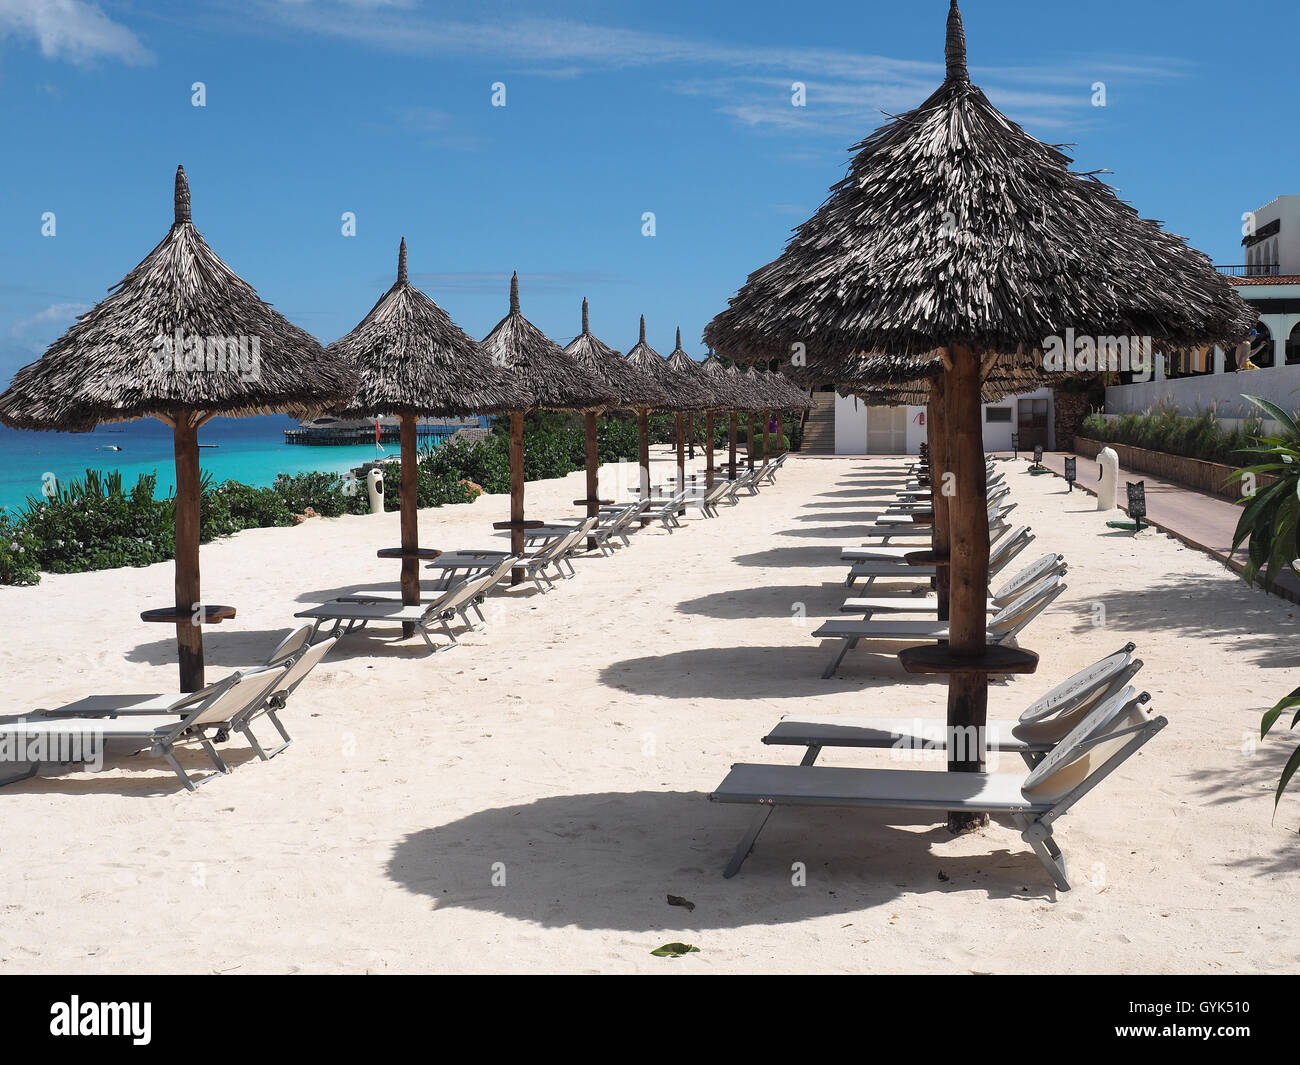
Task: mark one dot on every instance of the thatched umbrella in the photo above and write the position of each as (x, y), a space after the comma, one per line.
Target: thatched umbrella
(413, 361)
(724, 391)
(957, 233)
(556, 381)
(686, 406)
(182, 339)
(681, 390)
(634, 390)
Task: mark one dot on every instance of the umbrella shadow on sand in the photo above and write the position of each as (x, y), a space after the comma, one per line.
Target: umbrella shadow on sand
(609, 861)
(769, 601)
(746, 673)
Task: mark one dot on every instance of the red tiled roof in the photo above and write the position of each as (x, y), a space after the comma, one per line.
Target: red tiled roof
(1276, 279)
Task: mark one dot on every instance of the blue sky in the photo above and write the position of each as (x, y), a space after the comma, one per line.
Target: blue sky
(317, 107)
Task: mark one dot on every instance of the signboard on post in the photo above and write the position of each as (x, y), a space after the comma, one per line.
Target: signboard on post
(1071, 471)
(1137, 502)
(1015, 444)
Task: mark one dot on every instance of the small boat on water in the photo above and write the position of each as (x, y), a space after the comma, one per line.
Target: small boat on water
(209, 445)
(109, 447)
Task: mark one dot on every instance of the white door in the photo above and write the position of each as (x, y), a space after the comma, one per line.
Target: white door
(886, 430)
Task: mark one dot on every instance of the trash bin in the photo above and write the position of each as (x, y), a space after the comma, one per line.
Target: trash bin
(375, 482)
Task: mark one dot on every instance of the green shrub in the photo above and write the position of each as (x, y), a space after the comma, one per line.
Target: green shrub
(92, 524)
(323, 492)
(232, 507)
(18, 557)
(1162, 429)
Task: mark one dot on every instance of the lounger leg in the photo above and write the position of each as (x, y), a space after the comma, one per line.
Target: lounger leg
(1039, 836)
(212, 753)
(178, 769)
(265, 755)
(247, 732)
(747, 840)
(810, 755)
(845, 647)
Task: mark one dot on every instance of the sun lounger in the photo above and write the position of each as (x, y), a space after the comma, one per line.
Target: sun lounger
(1107, 735)
(1002, 627)
(294, 658)
(1003, 550)
(665, 510)
(191, 719)
(1005, 594)
(1041, 726)
(706, 502)
(562, 542)
(617, 521)
(350, 615)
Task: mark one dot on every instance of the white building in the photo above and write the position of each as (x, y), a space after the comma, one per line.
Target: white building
(864, 430)
(1269, 280)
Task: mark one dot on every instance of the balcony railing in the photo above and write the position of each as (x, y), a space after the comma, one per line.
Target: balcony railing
(1251, 270)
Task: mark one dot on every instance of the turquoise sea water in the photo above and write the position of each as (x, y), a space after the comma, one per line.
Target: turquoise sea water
(251, 450)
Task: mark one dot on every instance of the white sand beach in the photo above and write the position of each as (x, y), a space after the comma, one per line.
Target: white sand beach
(576, 739)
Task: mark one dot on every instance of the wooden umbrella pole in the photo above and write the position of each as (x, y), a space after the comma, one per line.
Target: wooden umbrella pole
(593, 474)
(767, 421)
(708, 449)
(753, 431)
(516, 491)
(410, 519)
(731, 444)
(969, 552)
(681, 458)
(690, 437)
(189, 628)
(643, 454)
(937, 438)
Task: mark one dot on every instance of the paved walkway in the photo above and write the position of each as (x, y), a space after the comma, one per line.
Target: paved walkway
(1199, 520)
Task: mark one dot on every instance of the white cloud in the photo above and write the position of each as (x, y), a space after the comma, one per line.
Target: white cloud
(39, 329)
(748, 83)
(71, 29)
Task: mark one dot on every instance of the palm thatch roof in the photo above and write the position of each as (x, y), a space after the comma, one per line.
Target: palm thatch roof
(955, 226)
(679, 359)
(121, 360)
(722, 384)
(555, 380)
(782, 393)
(748, 394)
(411, 358)
(684, 392)
(634, 388)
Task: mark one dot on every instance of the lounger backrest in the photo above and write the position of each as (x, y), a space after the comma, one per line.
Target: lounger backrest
(474, 585)
(1030, 575)
(1007, 547)
(1017, 614)
(1050, 718)
(245, 691)
(291, 646)
(301, 666)
(1108, 734)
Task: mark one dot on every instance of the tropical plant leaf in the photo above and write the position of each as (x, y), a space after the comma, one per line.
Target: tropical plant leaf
(1276, 413)
(675, 950)
(1272, 714)
(1288, 771)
